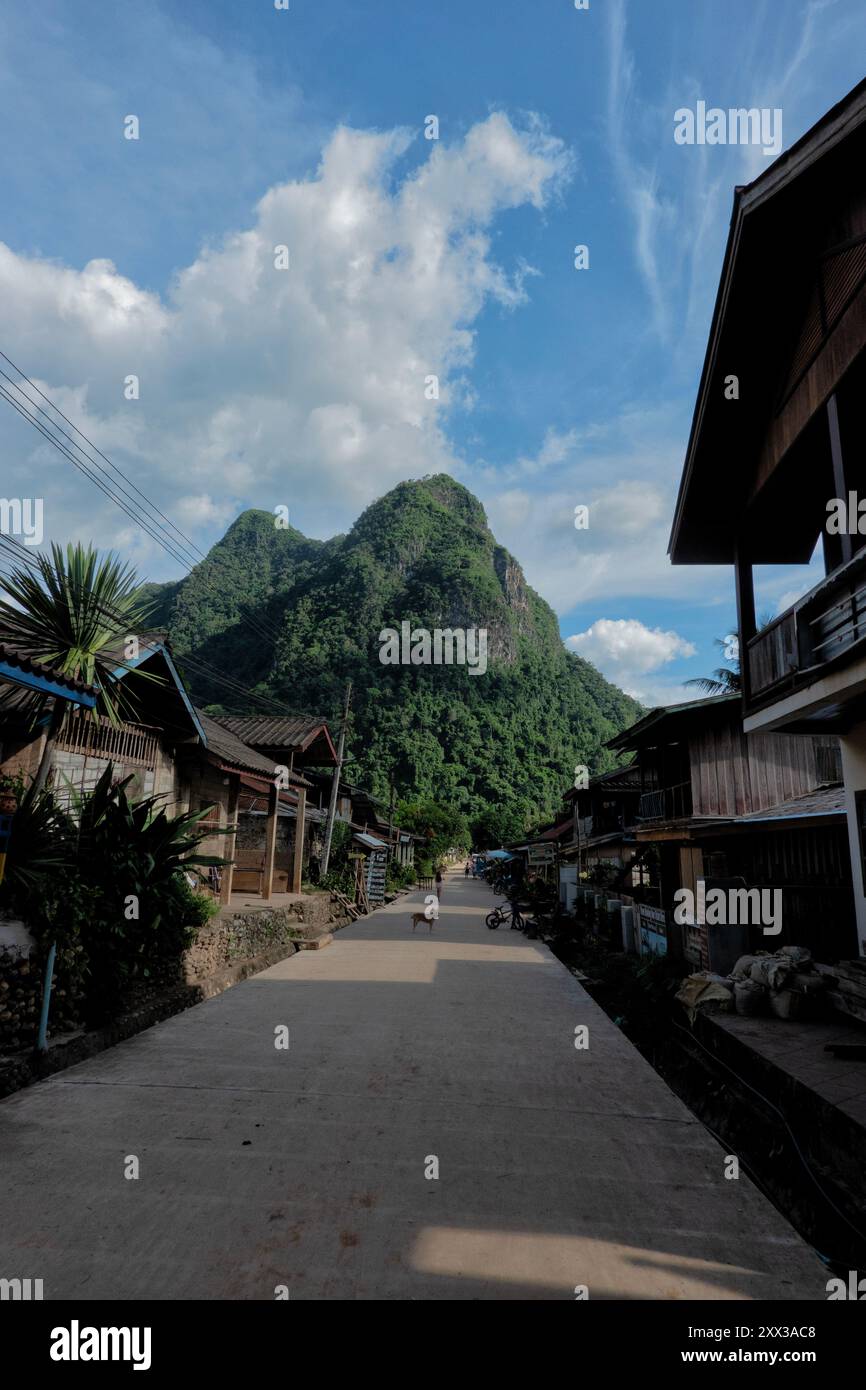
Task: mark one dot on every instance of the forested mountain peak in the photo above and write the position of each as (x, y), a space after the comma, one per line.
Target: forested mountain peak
(424, 555)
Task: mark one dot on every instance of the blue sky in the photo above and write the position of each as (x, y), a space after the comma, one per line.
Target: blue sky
(409, 257)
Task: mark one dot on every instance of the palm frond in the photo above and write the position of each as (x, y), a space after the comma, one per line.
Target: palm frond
(75, 613)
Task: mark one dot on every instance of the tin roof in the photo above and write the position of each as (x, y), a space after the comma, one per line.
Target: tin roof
(667, 720)
(296, 731)
(825, 801)
(228, 748)
(369, 840)
(36, 675)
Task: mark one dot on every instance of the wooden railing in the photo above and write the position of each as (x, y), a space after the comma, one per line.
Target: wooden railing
(668, 803)
(773, 654)
(94, 736)
(821, 626)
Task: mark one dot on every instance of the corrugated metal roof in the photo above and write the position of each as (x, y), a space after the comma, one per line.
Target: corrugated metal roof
(226, 746)
(651, 722)
(369, 840)
(553, 832)
(27, 666)
(270, 731)
(621, 779)
(826, 801)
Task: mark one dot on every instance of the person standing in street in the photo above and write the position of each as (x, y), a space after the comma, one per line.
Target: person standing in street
(439, 884)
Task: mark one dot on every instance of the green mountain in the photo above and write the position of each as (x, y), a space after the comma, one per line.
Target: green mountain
(294, 619)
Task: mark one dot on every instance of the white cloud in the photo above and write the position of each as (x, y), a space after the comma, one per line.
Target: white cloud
(303, 387)
(625, 471)
(556, 447)
(626, 651)
(651, 216)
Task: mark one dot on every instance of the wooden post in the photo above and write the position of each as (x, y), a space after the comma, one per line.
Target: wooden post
(298, 864)
(840, 482)
(270, 839)
(745, 615)
(229, 839)
(335, 783)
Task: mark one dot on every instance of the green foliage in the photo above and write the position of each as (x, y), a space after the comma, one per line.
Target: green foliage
(73, 613)
(341, 871)
(424, 554)
(443, 827)
(107, 885)
(498, 826)
(399, 876)
(132, 856)
(41, 847)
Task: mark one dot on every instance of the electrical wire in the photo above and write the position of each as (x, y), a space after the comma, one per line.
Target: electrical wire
(182, 545)
(262, 627)
(22, 555)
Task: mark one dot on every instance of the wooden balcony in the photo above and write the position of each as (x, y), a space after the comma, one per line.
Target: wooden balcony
(667, 803)
(810, 638)
(94, 736)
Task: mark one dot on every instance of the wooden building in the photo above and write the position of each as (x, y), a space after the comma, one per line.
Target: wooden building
(295, 740)
(364, 812)
(750, 810)
(171, 750)
(603, 839)
(780, 419)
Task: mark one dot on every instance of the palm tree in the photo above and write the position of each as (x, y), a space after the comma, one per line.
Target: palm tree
(727, 680)
(74, 612)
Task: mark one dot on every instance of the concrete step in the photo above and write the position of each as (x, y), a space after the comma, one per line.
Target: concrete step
(315, 943)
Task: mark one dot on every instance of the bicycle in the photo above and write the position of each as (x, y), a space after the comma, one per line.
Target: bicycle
(505, 912)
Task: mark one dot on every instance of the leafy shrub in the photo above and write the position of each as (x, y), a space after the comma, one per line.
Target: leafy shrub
(143, 911)
(108, 886)
(339, 881)
(399, 876)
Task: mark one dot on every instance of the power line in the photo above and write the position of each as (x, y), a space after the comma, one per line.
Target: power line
(230, 684)
(10, 544)
(73, 460)
(260, 626)
(179, 546)
(93, 446)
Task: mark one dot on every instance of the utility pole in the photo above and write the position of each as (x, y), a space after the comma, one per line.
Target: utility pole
(391, 820)
(335, 784)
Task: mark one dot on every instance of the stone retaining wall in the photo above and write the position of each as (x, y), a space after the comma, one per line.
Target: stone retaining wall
(233, 946)
(21, 978)
(238, 933)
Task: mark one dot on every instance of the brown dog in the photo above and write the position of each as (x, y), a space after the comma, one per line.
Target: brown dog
(419, 917)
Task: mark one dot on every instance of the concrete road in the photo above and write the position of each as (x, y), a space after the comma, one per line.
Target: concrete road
(307, 1168)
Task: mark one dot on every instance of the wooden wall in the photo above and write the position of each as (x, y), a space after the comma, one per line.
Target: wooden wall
(734, 773)
(812, 867)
